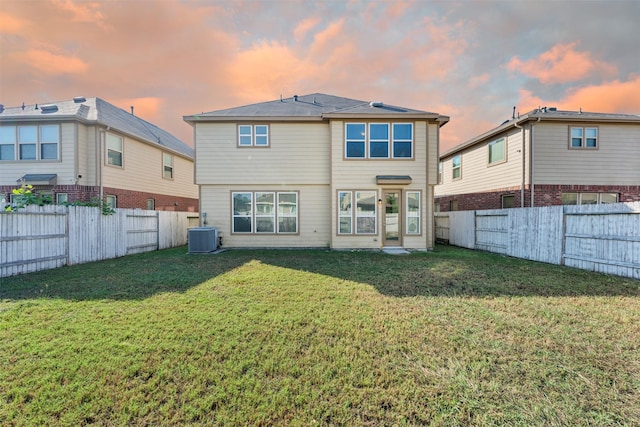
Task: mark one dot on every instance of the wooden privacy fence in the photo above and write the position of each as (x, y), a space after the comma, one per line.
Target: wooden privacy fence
(603, 238)
(44, 237)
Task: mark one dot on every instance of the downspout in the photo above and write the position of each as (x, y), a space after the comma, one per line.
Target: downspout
(532, 185)
(523, 164)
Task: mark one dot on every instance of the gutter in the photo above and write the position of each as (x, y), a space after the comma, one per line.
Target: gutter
(523, 163)
(531, 183)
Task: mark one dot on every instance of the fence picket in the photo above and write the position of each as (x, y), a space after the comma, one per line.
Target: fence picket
(44, 237)
(603, 238)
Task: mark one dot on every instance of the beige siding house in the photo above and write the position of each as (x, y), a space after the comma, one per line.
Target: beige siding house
(318, 171)
(545, 157)
(86, 149)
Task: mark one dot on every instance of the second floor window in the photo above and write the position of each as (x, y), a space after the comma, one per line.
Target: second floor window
(379, 140)
(253, 135)
(30, 142)
(114, 150)
(497, 152)
(167, 166)
(456, 164)
(586, 137)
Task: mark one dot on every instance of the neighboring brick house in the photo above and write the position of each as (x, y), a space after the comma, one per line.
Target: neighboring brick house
(318, 171)
(542, 158)
(86, 149)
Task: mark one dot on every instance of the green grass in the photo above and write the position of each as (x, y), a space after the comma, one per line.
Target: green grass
(452, 337)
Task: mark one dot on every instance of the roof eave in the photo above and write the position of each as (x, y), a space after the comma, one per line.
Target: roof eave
(360, 116)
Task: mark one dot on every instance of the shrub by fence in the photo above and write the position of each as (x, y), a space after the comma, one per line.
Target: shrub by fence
(603, 238)
(43, 237)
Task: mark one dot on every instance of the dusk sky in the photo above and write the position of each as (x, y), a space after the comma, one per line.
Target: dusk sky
(470, 60)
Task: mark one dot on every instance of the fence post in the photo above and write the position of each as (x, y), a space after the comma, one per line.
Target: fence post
(475, 229)
(564, 235)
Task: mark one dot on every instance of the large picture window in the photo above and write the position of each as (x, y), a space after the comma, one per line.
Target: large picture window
(30, 142)
(379, 140)
(265, 212)
(357, 212)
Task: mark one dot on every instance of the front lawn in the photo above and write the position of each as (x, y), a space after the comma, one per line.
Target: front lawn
(451, 337)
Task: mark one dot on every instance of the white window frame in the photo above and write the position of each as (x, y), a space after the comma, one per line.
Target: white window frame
(111, 201)
(257, 136)
(345, 213)
(151, 204)
(504, 197)
(440, 168)
(62, 198)
(454, 167)
(24, 143)
(413, 214)
(580, 195)
(584, 138)
(167, 166)
(355, 214)
(278, 212)
(120, 150)
(491, 146)
(46, 142)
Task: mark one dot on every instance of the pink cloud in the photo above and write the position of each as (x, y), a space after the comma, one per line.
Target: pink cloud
(561, 64)
(304, 27)
(51, 63)
(87, 12)
(10, 24)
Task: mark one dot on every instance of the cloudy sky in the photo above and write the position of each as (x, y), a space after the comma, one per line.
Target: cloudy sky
(471, 60)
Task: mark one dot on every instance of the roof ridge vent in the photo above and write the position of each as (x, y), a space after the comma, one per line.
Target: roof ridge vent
(49, 108)
(79, 99)
(376, 104)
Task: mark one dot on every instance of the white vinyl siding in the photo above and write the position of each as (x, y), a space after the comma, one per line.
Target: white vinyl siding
(312, 217)
(616, 161)
(300, 156)
(477, 176)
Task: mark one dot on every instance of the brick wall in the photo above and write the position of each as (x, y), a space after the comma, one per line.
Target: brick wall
(544, 195)
(124, 198)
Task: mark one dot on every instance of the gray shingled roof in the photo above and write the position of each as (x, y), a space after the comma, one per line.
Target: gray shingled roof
(307, 107)
(98, 111)
(545, 114)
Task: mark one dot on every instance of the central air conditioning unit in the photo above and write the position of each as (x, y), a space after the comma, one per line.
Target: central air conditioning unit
(202, 240)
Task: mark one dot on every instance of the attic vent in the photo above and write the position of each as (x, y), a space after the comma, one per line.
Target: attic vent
(553, 109)
(1, 108)
(49, 108)
(79, 99)
(295, 97)
(376, 104)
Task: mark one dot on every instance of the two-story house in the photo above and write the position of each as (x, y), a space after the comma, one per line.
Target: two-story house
(542, 158)
(87, 148)
(318, 171)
